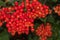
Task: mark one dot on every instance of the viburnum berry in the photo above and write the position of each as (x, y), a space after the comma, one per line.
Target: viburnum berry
(44, 31)
(13, 32)
(16, 3)
(57, 9)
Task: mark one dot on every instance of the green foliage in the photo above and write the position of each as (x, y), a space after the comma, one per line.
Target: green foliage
(50, 19)
(54, 0)
(34, 37)
(2, 3)
(4, 35)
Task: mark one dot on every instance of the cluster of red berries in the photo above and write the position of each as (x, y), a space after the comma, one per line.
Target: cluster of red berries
(44, 31)
(36, 9)
(20, 26)
(20, 17)
(57, 9)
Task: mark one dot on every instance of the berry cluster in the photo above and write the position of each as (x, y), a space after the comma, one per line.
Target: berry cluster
(44, 31)
(57, 9)
(36, 9)
(20, 18)
(20, 26)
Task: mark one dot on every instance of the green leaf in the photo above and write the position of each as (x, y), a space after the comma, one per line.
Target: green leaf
(33, 37)
(30, 37)
(51, 19)
(4, 35)
(36, 25)
(1, 3)
(36, 38)
(43, 19)
(58, 36)
(54, 0)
